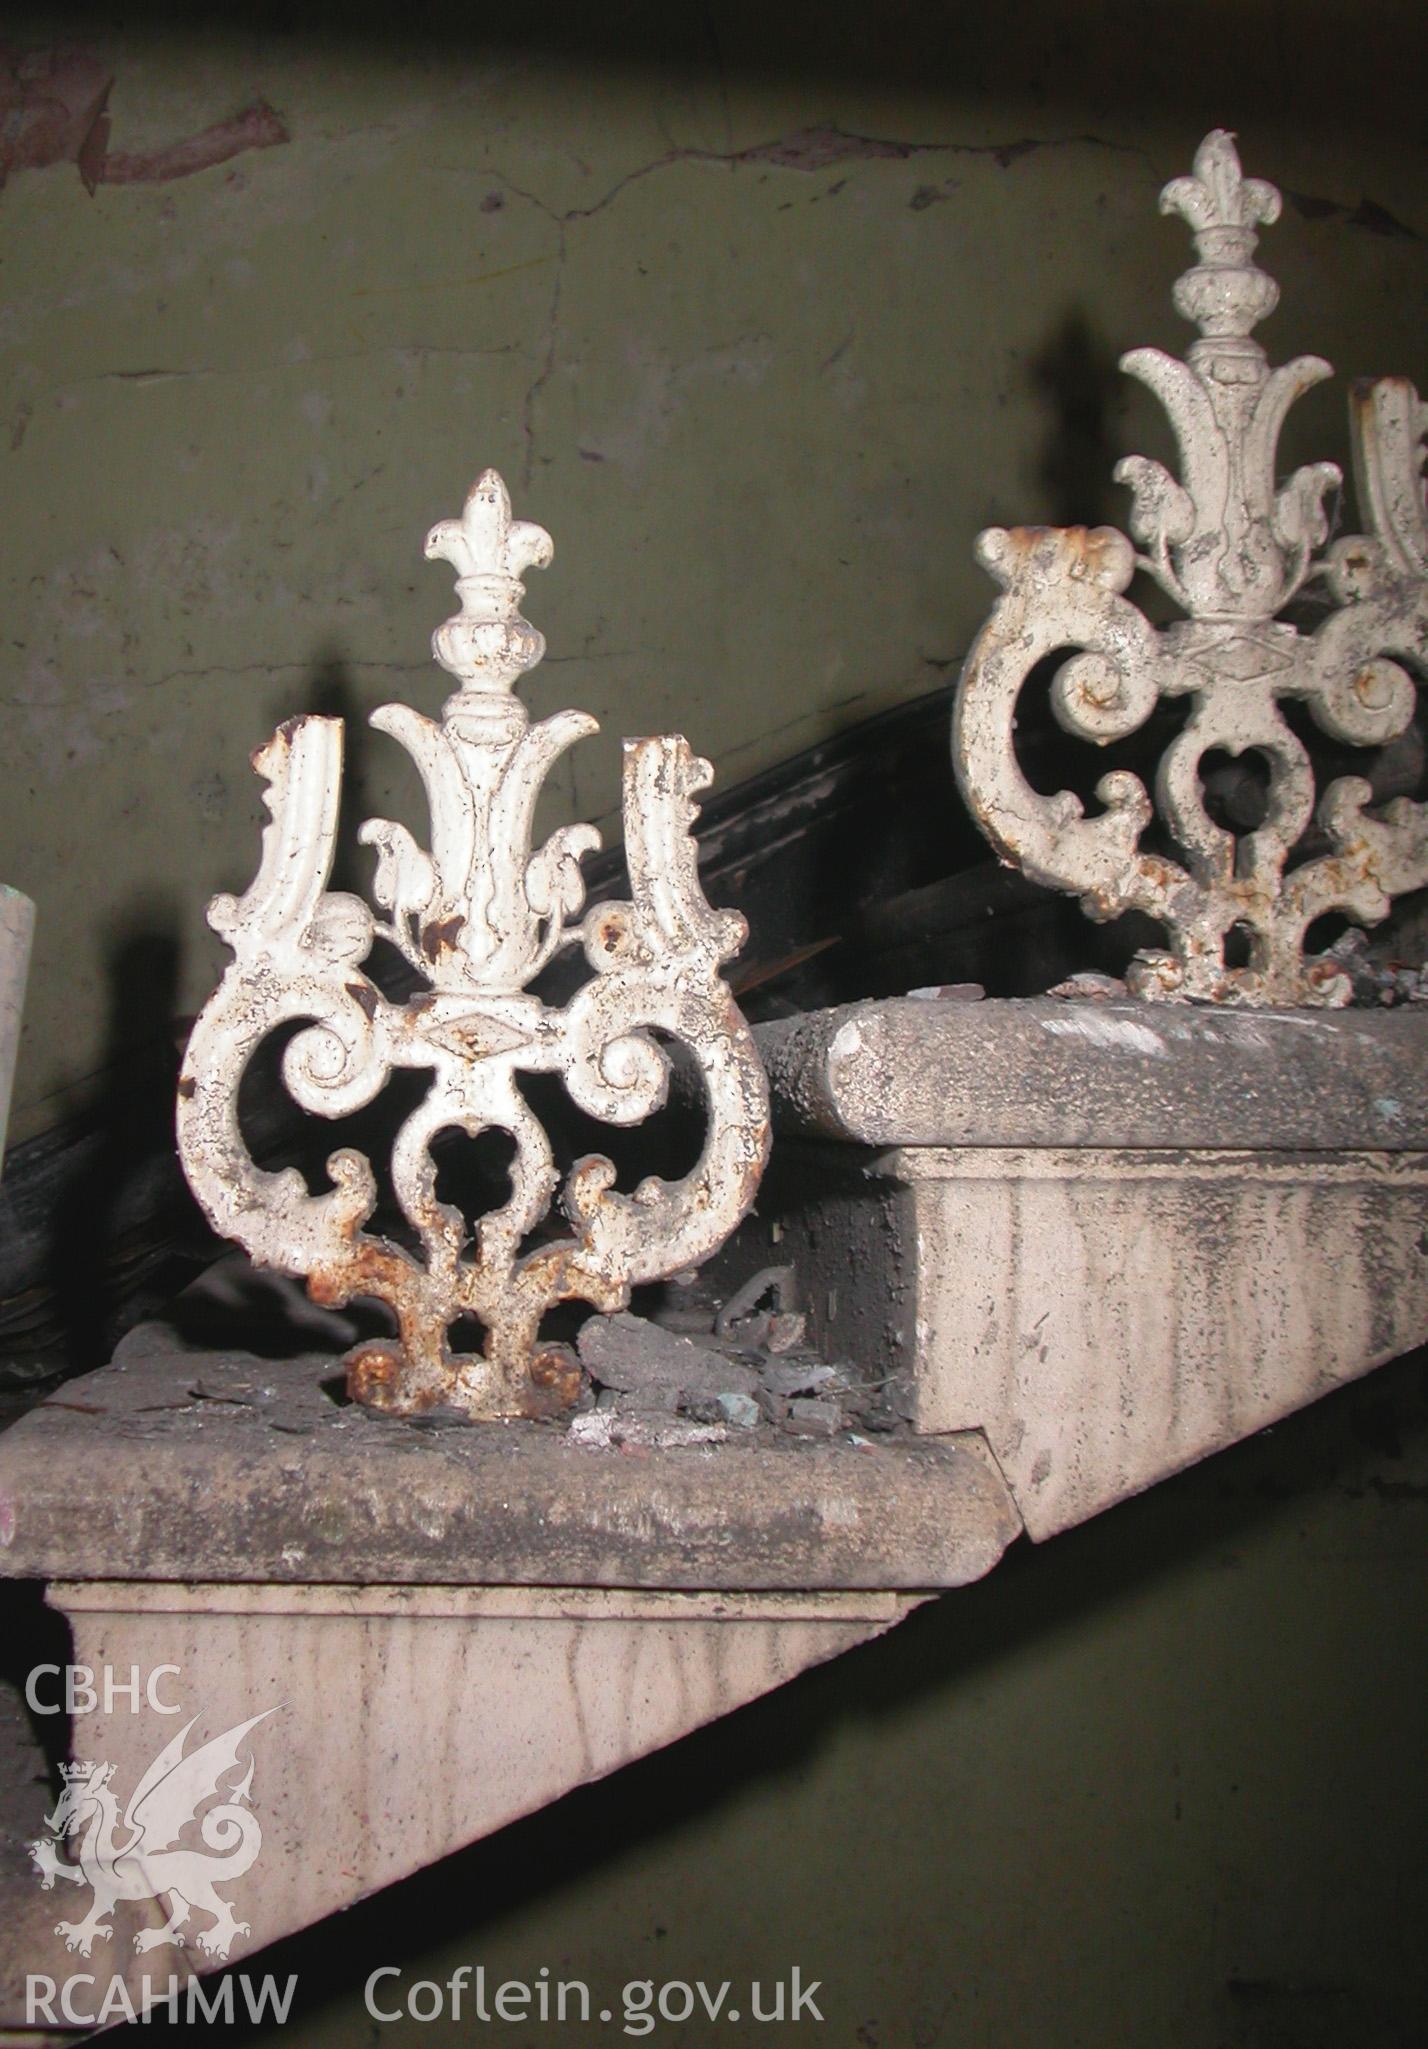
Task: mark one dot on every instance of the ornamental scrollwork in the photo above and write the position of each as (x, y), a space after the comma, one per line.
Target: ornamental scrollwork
(476, 916)
(1231, 547)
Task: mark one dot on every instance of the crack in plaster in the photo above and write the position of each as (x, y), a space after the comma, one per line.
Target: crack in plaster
(805, 151)
(357, 663)
(200, 372)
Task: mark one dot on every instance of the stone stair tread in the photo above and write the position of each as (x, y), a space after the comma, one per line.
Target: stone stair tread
(171, 1463)
(1044, 1071)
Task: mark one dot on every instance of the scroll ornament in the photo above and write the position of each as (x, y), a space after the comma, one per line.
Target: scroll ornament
(1231, 548)
(476, 916)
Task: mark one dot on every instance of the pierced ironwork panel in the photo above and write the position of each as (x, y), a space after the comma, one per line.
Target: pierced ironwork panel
(1231, 547)
(477, 914)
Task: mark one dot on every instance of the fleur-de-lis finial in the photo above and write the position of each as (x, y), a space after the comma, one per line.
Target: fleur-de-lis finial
(1217, 194)
(1226, 294)
(487, 645)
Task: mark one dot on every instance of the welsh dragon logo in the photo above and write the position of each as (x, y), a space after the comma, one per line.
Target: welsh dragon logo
(153, 1863)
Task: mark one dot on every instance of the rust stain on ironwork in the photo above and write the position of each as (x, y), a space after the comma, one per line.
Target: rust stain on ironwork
(441, 935)
(557, 1374)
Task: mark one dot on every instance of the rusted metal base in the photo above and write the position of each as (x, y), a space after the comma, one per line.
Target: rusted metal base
(382, 1376)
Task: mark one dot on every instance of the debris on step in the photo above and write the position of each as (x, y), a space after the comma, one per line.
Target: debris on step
(1378, 983)
(738, 1367)
(810, 1417)
(1090, 987)
(631, 1355)
(741, 1322)
(801, 1376)
(878, 1415)
(607, 1430)
(741, 1410)
(786, 1331)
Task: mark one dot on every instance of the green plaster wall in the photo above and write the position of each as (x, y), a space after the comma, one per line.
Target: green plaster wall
(764, 316)
(763, 320)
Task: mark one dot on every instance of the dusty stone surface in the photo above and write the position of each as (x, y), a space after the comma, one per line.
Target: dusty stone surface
(1105, 1315)
(521, 1694)
(1039, 1071)
(1115, 1237)
(173, 1465)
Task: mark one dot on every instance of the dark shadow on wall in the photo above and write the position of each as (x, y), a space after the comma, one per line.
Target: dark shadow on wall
(98, 1229)
(30, 1635)
(1079, 381)
(1201, 63)
(122, 1216)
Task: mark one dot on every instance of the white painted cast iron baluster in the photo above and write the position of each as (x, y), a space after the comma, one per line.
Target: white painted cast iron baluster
(1231, 548)
(477, 917)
